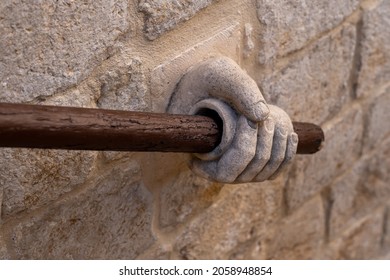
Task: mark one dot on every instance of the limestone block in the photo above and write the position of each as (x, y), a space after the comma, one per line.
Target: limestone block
(239, 213)
(3, 249)
(166, 75)
(162, 16)
(49, 46)
(1, 200)
(289, 25)
(315, 86)
(375, 50)
(187, 196)
(362, 188)
(110, 219)
(363, 240)
(343, 145)
(155, 252)
(300, 235)
(32, 178)
(378, 127)
(123, 87)
(386, 231)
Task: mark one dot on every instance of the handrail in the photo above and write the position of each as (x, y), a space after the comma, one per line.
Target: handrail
(57, 127)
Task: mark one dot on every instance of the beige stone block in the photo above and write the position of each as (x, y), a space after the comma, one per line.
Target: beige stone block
(187, 196)
(363, 240)
(343, 145)
(165, 76)
(289, 25)
(124, 87)
(359, 190)
(378, 127)
(111, 219)
(49, 46)
(162, 16)
(155, 252)
(300, 235)
(375, 50)
(386, 231)
(33, 178)
(4, 255)
(239, 213)
(314, 86)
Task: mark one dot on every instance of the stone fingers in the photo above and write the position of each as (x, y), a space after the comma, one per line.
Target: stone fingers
(263, 151)
(277, 156)
(292, 144)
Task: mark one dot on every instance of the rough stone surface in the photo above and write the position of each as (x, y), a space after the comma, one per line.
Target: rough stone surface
(1, 201)
(375, 49)
(48, 46)
(289, 25)
(162, 16)
(386, 231)
(300, 235)
(363, 240)
(108, 220)
(124, 87)
(155, 252)
(165, 76)
(310, 175)
(322, 61)
(186, 197)
(359, 190)
(3, 249)
(379, 114)
(32, 178)
(311, 88)
(240, 213)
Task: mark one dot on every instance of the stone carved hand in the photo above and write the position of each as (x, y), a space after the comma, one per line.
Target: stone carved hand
(258, 140)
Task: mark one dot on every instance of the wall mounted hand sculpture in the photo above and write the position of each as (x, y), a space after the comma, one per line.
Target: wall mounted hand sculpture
(258, 140)
(234, 135)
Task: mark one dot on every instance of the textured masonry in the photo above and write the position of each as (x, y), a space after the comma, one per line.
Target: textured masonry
(326, 62)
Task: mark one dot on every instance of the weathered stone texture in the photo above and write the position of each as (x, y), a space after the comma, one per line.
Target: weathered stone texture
(375, 49)
(108, 220)
(3, 249)
(300, 235)
(186, 196)
(240, 213)
(315, 86)
(378, 127)
(48, 46)
(309, 175)
(166, 75)
(359, 190)
(363, 240)
(124, 87)
(32, 178)
(155, 252)
(162, 16)
(289, 25)
(89, 205)
(386, 231)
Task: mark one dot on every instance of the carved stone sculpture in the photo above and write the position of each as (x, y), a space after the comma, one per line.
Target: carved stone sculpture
(258, 140)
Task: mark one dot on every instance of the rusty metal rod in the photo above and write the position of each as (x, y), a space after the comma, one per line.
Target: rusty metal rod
(54, 127)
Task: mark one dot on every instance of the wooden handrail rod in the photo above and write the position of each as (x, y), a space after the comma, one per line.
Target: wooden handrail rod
(55, 127)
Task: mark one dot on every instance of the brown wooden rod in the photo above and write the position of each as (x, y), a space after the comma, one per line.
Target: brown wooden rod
(54, 127)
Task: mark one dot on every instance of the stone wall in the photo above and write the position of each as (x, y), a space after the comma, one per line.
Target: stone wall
(322, 61)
